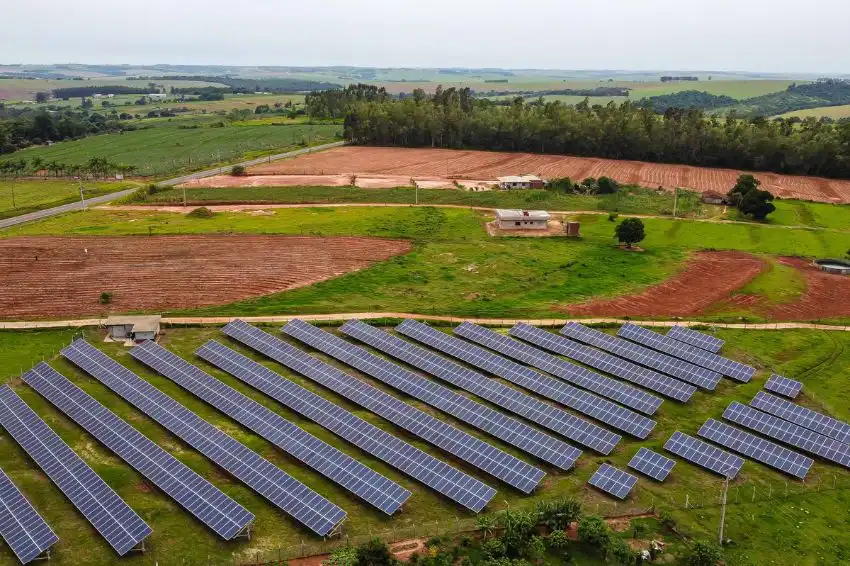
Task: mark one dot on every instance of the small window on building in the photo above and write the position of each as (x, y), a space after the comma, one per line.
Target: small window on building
(516, 223)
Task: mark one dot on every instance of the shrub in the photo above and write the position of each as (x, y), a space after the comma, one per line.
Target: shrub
(535, 549)
(558, 540)
(667, 521)
(620, 552)
(374, 553)
(345, 556)
(593, 530)
(612, 216)
(493, 548)
(201, 212)
(704, 553)
(237, 170)
(607, 186)
(106, 297)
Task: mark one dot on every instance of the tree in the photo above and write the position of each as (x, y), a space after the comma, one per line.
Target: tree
(756, 203)
(237, 170)
(704, 553)
(374, 553)
(607, 186)
(630, 231)
(593, 530)
(744, 185)
(589, 186)
(42, 97)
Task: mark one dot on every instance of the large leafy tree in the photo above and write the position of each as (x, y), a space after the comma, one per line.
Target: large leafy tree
(630, 231)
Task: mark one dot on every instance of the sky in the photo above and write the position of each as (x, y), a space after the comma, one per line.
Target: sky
(720, 35)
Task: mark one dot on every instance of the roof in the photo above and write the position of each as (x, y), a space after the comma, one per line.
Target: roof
(139, 323)
(502, 214)
(713, 194)
(518, 179)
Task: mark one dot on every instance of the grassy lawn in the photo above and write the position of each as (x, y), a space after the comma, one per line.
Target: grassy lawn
(455, 268)
(806, 529)
(165, 147)
(35, 194)
(804, 213)
(630, 200)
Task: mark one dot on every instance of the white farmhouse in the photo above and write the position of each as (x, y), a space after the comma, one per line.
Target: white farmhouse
(522, 219)
(521, 182)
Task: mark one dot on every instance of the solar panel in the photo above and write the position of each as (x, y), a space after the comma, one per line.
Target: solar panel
(23, 529)
(758, 449)
(500, 464)
(281, 489)
(802, 416)
(694, 338)
(613, 481)
(438, 475)
(622, 393)
(359, 479)
(198, 496)
(588, 434)
(660, 383)
(116, 522)
(511, 430)
(652, 464)
(701, 377)
(784, 386)
(789, 433)
(725, 366)
(704, 455)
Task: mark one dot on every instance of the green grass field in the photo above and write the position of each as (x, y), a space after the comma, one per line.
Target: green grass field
(834, 112)
(36, 194)
(806, 528)
(805, 214)
(166, 148)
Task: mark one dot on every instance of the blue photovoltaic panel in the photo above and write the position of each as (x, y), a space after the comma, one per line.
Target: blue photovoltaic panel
(704, 455)
(583, 432)
(622, 393)
(198, 496)
(438, 475)
(122, 528)
(597, 359)
(802, 416)
(652, 464)
(757, 448)
(783, 386)
(683, 370)
(364, 482)
(613, 481)
(694, 338)
(281, 489)
(789, 433)
(725, 366)
(23, 529)
(515, 432)
(500, 464)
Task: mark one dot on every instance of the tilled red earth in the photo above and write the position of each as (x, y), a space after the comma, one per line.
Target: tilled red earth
(825, 297)
(64, 276)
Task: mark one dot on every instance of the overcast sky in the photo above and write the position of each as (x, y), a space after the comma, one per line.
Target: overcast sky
(753, 35)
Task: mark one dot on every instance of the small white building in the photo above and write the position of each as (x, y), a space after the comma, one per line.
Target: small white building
(158, 96)
(522, 219)
(133, 327)
(521, 182)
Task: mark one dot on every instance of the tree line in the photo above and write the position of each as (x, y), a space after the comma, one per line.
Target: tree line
(453, 118)
(94, 168)
(23, 128)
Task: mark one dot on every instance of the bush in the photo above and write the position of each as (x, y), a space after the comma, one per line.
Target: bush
(607, 186)
(704, 553)
(106, 297)
(493, 548)
(612, 216)
(201, 212)
(237, 171)
(620, 552)
(558, 540)
(374, 553)
(593, 530)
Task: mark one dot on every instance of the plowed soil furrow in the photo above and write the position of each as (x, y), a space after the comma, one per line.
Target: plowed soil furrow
(825, 297)
(47, 276)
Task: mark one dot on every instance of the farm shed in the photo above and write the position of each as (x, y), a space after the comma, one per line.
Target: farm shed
(522, 219)
(521, 182)
(133, 327)
(712, 197)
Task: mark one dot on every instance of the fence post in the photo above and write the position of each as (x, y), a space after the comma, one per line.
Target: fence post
(687, 500)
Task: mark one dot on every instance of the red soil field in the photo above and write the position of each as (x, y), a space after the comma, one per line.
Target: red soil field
(459, 164)
(708, 277)
(825, 296)
(59, 276)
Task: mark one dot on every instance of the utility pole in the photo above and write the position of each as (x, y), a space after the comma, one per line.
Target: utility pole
(13, 195)
(675, 200)
(723, 510)
(184, 194)
(416, 191)
(82, 198)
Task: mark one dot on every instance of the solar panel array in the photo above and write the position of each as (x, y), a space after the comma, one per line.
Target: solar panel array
(23, 529)
(802, 416)
(611, 480)
(588, 434)
(704, 454)
(660, 383)
(364, 482)
(622, 393)
(500, 464)
(683, 370)
(789, 433)
(198, 496)
(281, 489)
(531, 440)
(725, 366)
(122, 528)
(784, 386)
(652, 464)
(438, 475)
(699, 339)
(756, 448)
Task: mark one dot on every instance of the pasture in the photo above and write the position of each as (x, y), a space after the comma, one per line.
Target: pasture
(22, 196)
(833, 112)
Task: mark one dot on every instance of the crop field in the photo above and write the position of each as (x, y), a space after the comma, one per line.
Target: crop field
(770, 517)
(35, 194)
(25, 89)
(454, 164)
(169, 148)
(834, 112)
